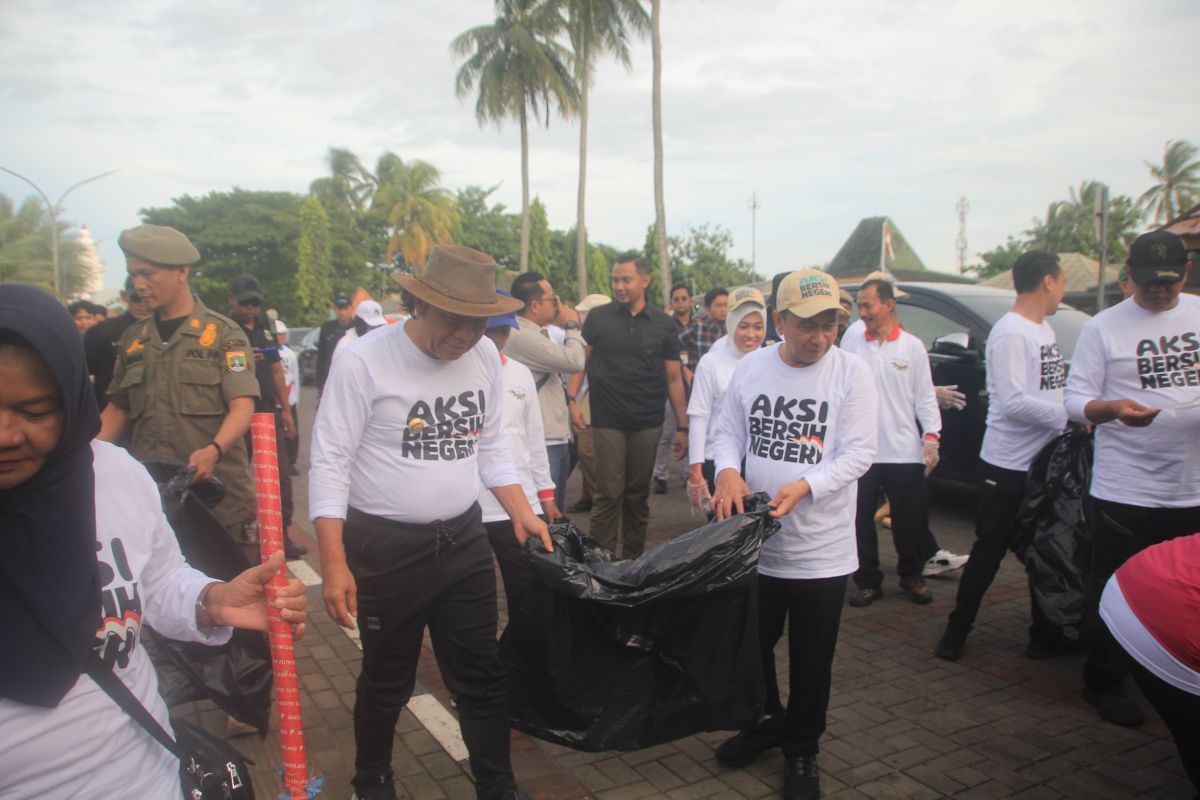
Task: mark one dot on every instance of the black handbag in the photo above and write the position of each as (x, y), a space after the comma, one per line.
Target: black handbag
(210, 768)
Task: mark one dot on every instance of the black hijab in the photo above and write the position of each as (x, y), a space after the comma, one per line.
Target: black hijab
(49, 580)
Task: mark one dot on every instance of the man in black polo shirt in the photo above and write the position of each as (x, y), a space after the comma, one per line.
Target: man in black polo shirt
(101, 340)
(633, 367)
(331, 333)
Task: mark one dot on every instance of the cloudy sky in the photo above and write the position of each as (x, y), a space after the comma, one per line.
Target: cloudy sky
(829, 111)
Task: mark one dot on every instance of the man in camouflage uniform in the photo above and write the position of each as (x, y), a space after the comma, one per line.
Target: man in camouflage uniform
(184, 381)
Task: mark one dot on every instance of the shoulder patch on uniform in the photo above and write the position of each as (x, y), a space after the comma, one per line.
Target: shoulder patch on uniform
(209, 337)
(194, 324)
(235, 360)
(135, 346)
(234, 344)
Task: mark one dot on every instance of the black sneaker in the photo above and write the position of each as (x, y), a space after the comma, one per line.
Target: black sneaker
(917, 589)
(801, 780)
(383, 790)
(1116, 706)
(951, 645)
(581, 507)
(660, 486)
(291, 550)
(1052, 647)
(861, 598)
(516, 794)
(750, 744)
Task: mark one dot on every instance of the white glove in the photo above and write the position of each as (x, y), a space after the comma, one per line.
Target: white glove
(930, 452)
(949, 397)
(699, 495)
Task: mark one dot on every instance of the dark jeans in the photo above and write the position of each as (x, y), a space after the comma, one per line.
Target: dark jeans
(439, 575)
(514, 569)
(1001, 492)
(624, 463)
(293, 442)
(908, 493)
(1180, 711)
(559, 456)
(1120, 531)
(813, 611)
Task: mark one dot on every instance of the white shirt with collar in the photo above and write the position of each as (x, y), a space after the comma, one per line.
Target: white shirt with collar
(523, 430)
(900, 366)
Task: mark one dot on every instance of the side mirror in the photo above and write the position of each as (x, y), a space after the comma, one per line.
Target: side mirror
(956, 344)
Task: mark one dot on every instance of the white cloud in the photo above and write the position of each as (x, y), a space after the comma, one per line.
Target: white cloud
(829, 112)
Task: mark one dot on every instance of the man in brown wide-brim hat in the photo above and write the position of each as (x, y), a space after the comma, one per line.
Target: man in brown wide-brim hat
(408, 429)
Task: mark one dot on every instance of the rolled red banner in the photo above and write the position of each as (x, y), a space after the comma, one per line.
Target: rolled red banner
(279, 633)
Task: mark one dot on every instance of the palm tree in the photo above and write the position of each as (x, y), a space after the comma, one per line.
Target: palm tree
(660, 210)
(519, 70)
(348, 187)
(1178, 182)
(419, 213)
(596, 27)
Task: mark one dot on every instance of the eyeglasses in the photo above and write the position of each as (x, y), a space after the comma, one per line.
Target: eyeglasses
(251, 303)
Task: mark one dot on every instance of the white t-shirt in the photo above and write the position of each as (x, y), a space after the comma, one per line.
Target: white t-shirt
(523, 430)
(813, 423)
(405, 436)
(900, 366)
(713, 373)
(1152, 358)
(88, 746)
(1025, 379)
(291, 373)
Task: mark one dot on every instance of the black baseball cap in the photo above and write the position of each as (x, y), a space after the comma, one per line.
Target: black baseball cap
(1157, 256)
(246, 287)
(342, 301)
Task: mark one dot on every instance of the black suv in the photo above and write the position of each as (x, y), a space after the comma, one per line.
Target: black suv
(953, 321)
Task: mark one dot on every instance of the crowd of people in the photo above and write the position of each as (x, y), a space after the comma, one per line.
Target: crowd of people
(448, 439)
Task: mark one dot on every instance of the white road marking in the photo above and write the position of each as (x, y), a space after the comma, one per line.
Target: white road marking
(307, 575)
(440, 723)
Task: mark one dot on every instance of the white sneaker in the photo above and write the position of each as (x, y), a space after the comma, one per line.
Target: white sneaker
(943, 561)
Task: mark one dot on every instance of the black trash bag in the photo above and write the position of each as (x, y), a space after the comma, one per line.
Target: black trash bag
(620, 655)
(237, 675)
(1052, 537)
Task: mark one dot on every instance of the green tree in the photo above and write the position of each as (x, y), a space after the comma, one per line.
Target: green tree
(488, 228)
(541, 256)
(999, 259)
(700, 259)
(238, 232)
(25, 248)
(419, 213)
(314, 262)
(356, 237)
(596, 28)
(519, 70)
(599, 274)
(1177, 182)
(347, 190)
(1069, 226)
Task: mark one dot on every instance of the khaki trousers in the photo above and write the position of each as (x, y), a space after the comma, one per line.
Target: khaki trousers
(624, 463)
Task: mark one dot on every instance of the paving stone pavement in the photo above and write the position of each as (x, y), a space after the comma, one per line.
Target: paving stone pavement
(902, 723)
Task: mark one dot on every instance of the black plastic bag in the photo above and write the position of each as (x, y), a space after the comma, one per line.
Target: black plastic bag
(1052, 536)
(620, 655)
(237, 675)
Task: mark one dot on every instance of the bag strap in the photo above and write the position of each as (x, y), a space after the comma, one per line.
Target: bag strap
(542, 380)
(115, 688)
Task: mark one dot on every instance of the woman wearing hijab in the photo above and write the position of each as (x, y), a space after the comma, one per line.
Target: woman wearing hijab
(86, 556)
(745, 326)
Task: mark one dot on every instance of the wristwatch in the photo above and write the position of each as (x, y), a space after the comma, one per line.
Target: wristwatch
(571, 325)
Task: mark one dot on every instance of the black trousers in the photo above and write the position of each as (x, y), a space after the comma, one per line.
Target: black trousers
(411, 576)
(813, 612)
(514, 569)
(1180, 711)
(1001, 492)
(1120, 531)
(293, 442)
(908, 493)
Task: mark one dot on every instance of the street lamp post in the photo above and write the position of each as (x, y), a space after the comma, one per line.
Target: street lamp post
(53, 210)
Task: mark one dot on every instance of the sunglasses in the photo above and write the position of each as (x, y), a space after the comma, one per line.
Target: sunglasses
(251, 303)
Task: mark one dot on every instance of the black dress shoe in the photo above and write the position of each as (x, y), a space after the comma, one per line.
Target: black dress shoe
(660, 486)
(951, 645)
(1116, 706)
(750, 744)
(581, 507)
(291, 550)
(801, 780)
(861, 598)
(917, 589)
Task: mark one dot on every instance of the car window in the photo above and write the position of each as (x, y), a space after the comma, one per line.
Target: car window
(1067, 323)
(310, 338)
(925, 324)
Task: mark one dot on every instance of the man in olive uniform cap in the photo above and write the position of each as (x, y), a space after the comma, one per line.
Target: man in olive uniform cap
(184, 378)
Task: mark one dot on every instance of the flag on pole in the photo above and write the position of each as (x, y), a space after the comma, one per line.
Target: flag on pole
(887, 240)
